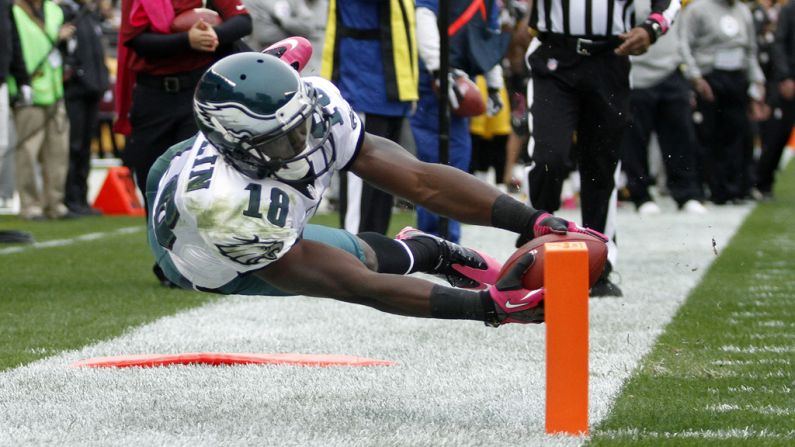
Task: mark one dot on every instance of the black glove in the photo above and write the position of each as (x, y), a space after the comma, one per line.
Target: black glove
(494, 103)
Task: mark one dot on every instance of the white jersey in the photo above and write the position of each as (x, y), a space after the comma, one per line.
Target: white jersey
(216, 223)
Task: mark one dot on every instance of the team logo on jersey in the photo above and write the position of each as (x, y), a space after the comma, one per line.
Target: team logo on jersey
(251, 251)
(552, 64)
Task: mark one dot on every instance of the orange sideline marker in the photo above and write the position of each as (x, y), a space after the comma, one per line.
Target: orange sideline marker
(566, 314)
(118, 194)
(223, 358)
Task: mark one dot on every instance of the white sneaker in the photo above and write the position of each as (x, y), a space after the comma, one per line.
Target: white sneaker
(649, 208)
(693, 206)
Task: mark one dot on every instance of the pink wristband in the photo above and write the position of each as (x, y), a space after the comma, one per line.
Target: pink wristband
(660, 19)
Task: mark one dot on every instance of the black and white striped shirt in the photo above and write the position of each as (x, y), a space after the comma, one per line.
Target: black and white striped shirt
(593, 18)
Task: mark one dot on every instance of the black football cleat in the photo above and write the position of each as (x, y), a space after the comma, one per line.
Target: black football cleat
(460, 266)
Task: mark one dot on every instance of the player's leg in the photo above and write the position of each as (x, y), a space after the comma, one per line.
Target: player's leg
(460, 266)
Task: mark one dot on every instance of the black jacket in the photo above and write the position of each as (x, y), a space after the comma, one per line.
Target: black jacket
(784, 45)
(11, 61)
(85, 72)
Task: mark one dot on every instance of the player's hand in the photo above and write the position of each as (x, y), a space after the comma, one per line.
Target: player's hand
(636, 41)
(494, 103)
(25, 95)
(546, 223)
(454, 94)
(760, 111)
(787, 89)
(66, 31)
(704, 90)
(202, 37)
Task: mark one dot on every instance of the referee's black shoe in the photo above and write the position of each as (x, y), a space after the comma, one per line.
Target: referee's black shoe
(603, 286)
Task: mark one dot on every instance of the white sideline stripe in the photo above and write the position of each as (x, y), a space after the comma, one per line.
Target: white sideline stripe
(734, 433)
(750, 362)
(757, 349)
(767, 410)
(63, 242)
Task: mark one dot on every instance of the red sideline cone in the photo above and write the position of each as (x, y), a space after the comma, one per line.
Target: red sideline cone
(117, 195)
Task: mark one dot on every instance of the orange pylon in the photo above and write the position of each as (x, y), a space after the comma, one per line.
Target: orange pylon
(566, 314)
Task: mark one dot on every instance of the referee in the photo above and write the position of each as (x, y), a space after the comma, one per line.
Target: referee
(579, 92)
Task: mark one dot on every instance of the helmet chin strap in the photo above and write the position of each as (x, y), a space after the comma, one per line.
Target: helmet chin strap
(295, 170)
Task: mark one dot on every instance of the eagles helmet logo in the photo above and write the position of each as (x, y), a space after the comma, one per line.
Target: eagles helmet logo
(230, 119)
(251, 251)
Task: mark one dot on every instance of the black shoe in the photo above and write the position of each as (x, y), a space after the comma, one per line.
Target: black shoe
(165, 282)
(85, 210)
(15, 237)
(460, 266)
(603, 285)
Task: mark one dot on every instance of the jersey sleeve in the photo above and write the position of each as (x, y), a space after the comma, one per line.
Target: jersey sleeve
(347, 129)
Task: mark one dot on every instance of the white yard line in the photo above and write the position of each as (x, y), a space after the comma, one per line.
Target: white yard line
(70, 241)
(456, 383)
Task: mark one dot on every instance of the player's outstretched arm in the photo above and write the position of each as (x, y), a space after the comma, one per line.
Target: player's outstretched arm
(451, 192)
(443, 189)
(315, 269)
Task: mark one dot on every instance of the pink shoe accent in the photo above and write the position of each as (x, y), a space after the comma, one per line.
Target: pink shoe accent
(485, 277)
(295, 50)
(406, 232)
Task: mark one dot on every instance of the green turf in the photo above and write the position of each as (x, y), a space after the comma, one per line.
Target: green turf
(727, 360)
(60, 298)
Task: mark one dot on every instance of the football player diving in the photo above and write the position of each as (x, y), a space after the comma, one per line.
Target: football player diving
(230, 206)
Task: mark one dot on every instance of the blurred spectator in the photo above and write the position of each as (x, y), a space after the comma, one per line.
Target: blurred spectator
(42, 125)
(719, 47)
(660, 102)
(11, 63)
(370, 54)
(275, 20)
(776, 131)
(85, 81)
(518, 77)
(476, 47)
(165, 66)
(489, 139)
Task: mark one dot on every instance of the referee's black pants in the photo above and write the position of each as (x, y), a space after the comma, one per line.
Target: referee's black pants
(364, 207)
(584, 94)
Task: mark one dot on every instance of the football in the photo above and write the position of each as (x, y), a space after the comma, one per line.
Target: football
(470, 101)
(185, 20)
(534, 277)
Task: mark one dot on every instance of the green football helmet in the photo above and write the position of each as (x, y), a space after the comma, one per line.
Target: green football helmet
(263, 118)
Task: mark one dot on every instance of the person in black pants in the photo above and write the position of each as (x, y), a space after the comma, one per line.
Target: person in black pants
(85, 81)
(580, 69)
(167, 67)
(660, 102)
(776, 131)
